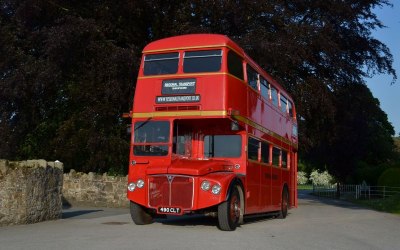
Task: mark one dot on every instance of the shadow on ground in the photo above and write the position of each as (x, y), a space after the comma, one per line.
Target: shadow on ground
(188, 220)
(76, 213)
(196, 220)
(307, 199)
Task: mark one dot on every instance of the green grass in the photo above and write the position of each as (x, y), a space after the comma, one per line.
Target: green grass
(390, 204)
(304, 187)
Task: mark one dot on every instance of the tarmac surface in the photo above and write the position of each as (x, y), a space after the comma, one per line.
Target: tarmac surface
(315, 224)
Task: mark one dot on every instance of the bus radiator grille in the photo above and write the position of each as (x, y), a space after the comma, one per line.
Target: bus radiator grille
(171, 190)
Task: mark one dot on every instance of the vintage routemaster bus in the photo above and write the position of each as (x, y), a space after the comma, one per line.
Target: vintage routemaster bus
(212, 133)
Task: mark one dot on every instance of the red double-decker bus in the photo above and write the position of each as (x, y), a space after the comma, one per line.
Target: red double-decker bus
(212, 133)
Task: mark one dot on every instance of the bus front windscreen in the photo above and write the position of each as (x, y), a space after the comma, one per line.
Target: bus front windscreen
(151, 138)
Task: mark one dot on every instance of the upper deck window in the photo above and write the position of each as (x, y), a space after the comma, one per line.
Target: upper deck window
(222, 146)
(202, 61)
(284, 102)
(160, 64)
(264, 85)
(252, 77)
(290, 106)
(274, 95)
(235, 66)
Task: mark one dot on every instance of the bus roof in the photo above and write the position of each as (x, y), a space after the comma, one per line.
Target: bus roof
(192, 41)
(195, 41)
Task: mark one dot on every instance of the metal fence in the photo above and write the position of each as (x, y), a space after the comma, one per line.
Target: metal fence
(355, 191)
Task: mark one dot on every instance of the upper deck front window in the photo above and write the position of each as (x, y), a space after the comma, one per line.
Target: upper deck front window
(161, 64)
(202, 61)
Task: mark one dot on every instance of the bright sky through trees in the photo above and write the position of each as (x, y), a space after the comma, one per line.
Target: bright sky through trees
(389, 95)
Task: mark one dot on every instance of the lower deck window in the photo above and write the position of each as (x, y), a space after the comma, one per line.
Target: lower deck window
(252, 149)
(276, 153)
(182, 145)
(264, 152)
(222, 146)
(284, 159)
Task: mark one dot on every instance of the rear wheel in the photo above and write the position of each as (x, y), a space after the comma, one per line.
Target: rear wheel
(229, 211)
(284, 204)
(139, 214)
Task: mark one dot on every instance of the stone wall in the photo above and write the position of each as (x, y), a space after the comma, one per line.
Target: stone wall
(94, 190)
(30, 191)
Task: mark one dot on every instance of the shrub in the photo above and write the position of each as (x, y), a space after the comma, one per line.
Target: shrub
(318, 178)
(391, 177)
(302, 178)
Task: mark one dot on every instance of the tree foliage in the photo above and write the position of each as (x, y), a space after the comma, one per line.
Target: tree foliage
(68, 68)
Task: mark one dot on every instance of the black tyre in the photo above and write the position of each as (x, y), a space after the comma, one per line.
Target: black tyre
(284, 204)
(229, 211)
(139, 214)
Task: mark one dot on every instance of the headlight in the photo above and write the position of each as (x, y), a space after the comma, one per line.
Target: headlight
(205, 185)
(216, 189)
(131, 186)
(140, 183)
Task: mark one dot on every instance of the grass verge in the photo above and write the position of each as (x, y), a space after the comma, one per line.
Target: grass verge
(304, 187)
(390, 204)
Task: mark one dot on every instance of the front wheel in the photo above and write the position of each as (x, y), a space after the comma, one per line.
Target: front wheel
(139, 214)
(229, 211)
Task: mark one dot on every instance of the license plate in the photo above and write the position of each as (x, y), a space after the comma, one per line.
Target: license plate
(169, 210)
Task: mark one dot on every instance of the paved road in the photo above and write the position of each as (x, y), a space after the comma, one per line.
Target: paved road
(316, 224)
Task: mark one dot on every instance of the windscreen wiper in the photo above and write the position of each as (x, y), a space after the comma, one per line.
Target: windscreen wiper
(144, 123)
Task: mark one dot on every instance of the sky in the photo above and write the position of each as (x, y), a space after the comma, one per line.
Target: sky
(380, 85)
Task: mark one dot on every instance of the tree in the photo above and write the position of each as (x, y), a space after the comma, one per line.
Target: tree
(67, 68)
(363, 132)
(66, 89)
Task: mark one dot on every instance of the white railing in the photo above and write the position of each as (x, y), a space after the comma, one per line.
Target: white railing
(355, 191)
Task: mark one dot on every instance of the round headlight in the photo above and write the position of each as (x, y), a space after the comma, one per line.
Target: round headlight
(140, 183)
(216, 189)
(205, 185)
(131, 186)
